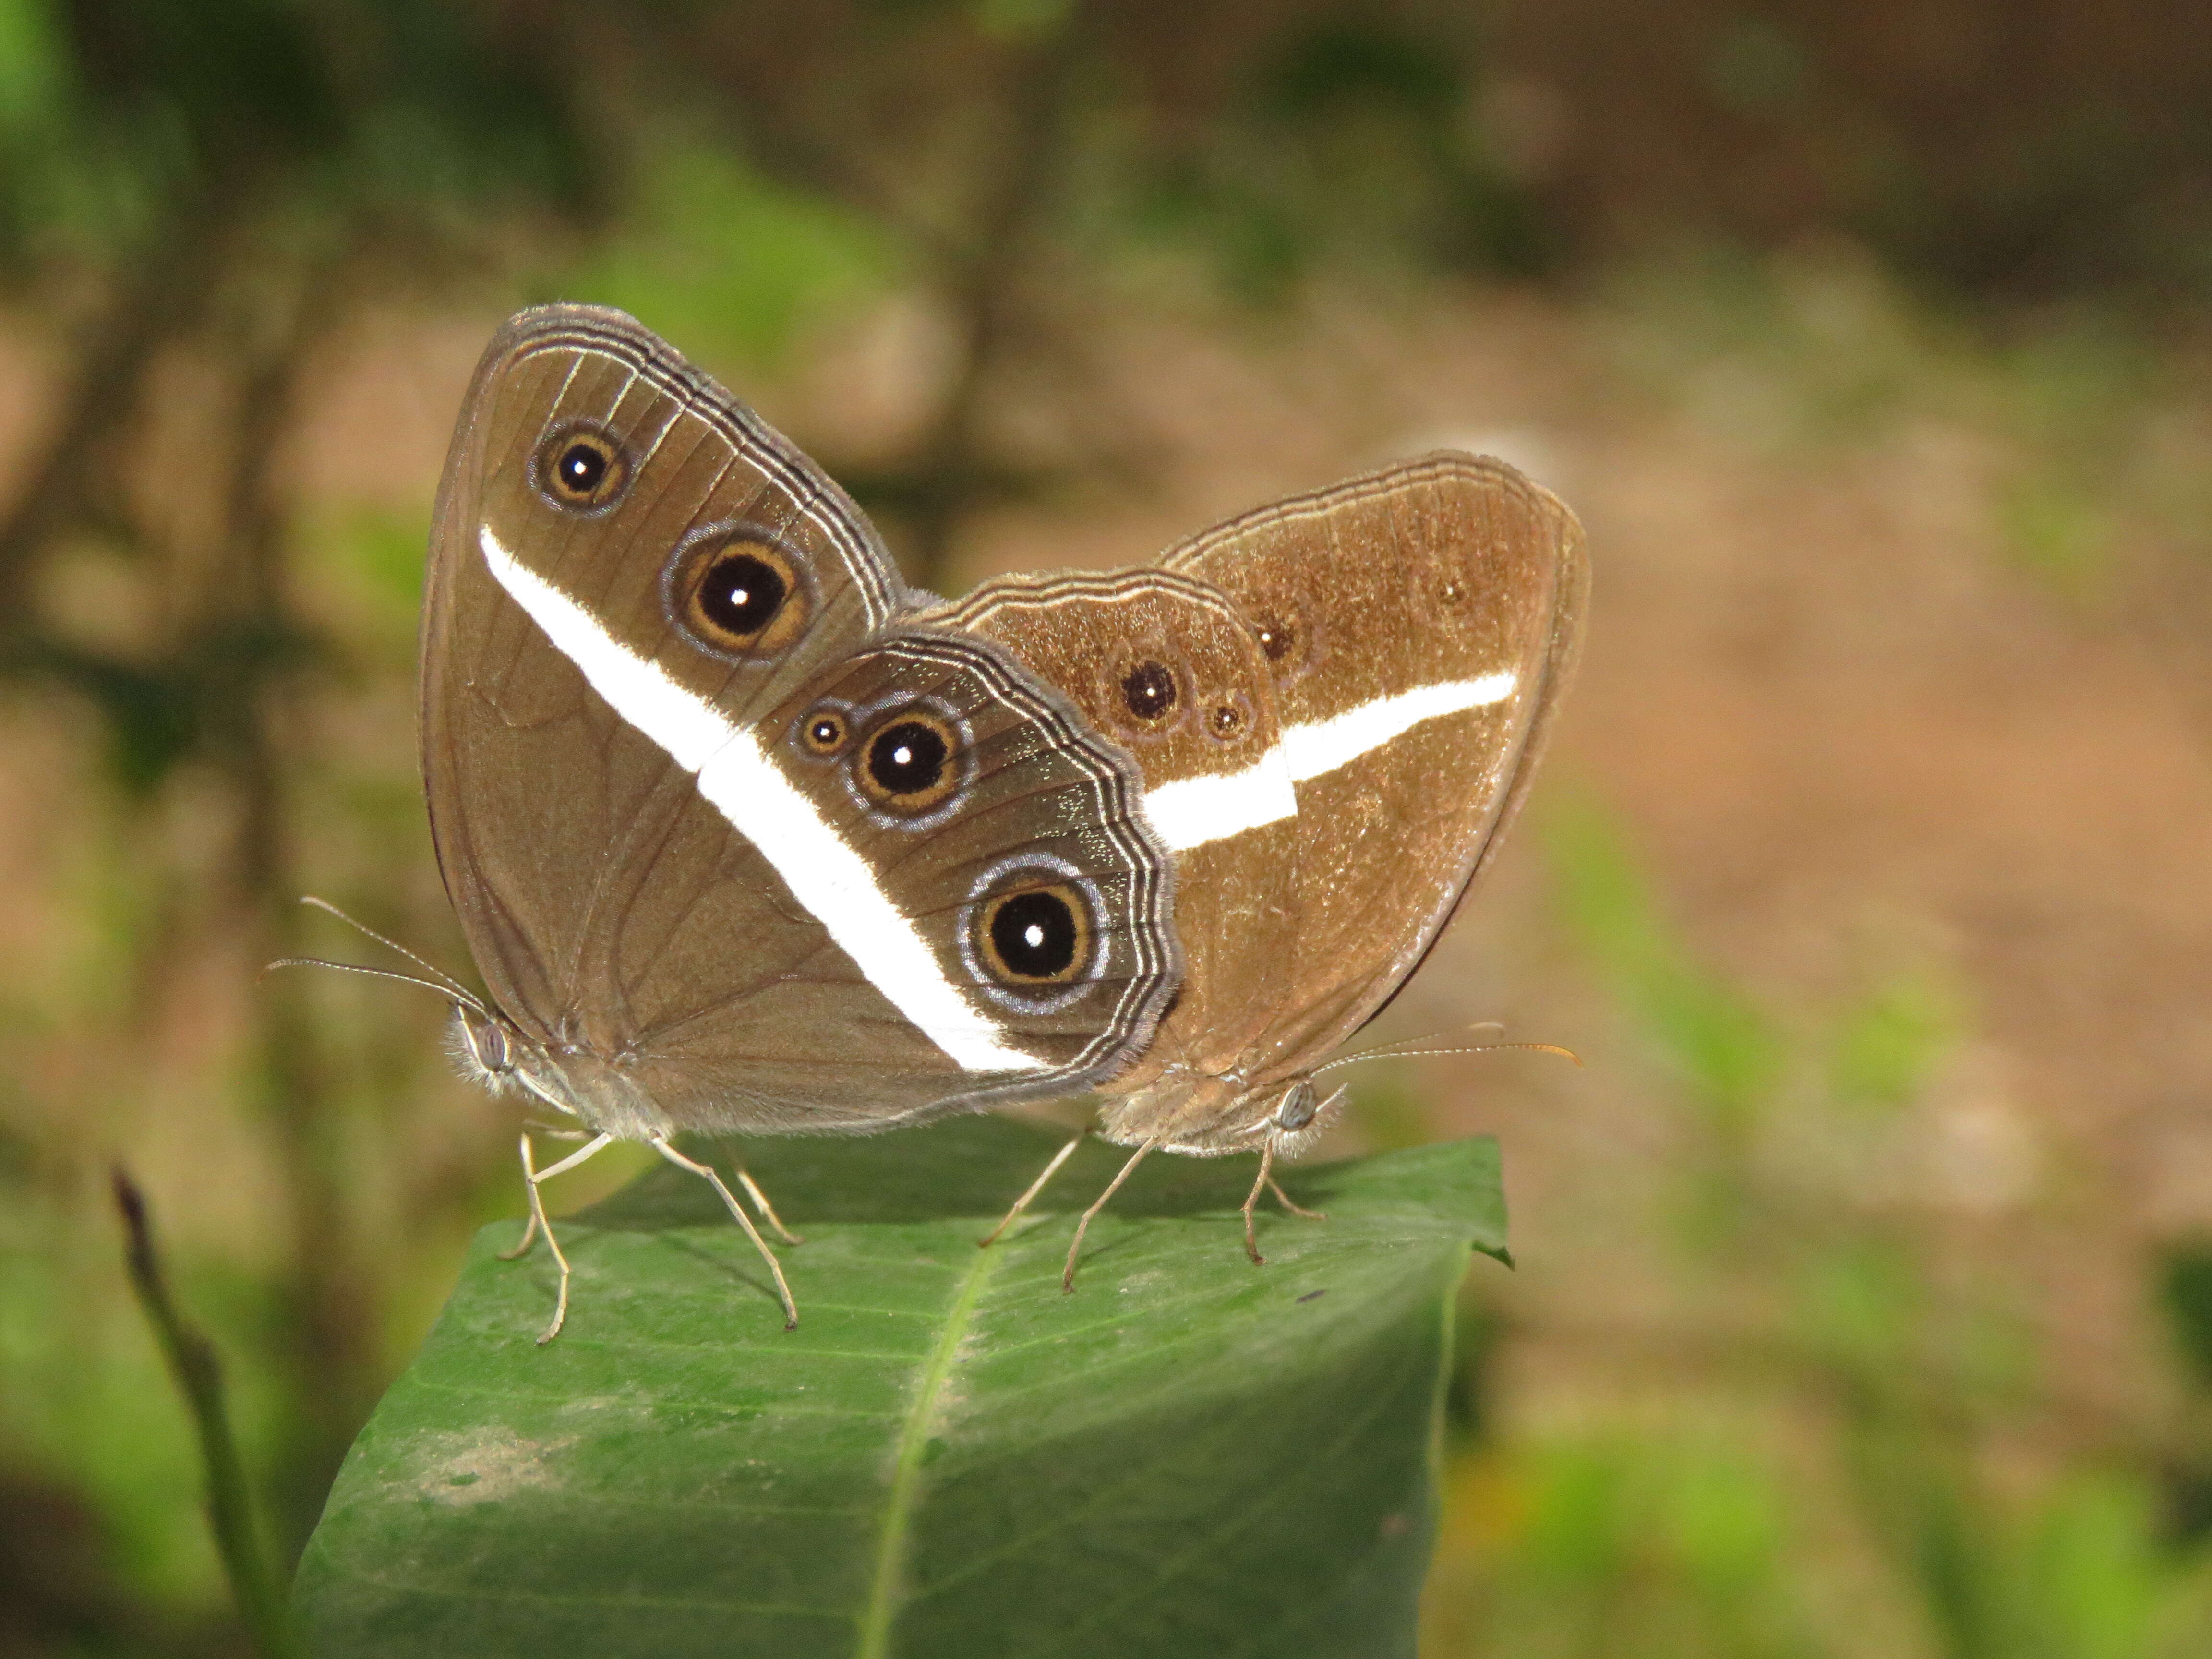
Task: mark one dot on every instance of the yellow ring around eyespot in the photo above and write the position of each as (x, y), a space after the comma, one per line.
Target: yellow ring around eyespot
(1070, 900)
(777, 629)
(940, 787)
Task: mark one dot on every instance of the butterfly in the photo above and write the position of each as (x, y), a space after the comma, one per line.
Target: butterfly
(1337, 703)
(745, 835)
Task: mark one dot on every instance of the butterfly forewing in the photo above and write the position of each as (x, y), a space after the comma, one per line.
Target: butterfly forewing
(636, 587)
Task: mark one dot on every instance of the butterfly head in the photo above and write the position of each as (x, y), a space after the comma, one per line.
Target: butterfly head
(489, 1049)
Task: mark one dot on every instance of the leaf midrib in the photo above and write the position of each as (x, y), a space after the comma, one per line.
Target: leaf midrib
(906, 1467)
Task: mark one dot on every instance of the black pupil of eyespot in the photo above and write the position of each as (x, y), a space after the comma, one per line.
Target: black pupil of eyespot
(1034, 934)
(1275, 639)
(582, 469)
(825, 733)
(1149, 688)
(908, 757)
(742, 593)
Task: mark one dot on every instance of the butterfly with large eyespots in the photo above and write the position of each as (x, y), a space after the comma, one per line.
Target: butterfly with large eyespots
(745, 835)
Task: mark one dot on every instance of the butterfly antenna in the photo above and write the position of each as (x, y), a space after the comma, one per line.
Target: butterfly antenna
(451, 992)
(1409, 1046)
(1396, 1053)
(359, 926)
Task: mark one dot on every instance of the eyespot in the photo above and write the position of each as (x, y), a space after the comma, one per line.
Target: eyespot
(738, 589)
(1035, 936)
(1284, 638)
(1229, 718)
(1031, 939)
(1148, 691)
(823, 732)
(581, 468)
(911, 763)
(1145, 689)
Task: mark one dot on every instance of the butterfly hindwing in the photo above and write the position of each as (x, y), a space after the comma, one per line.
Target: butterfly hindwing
(1421, 622)
(1166, 666)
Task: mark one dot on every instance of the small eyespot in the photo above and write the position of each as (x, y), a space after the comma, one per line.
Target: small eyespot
(1148, 691)
(911, 763)
(823, 732)
(581, 469)
(1453, 590)
(737, 591)
(1229, 719)
(1035, 935)
(1284, 638)
(1278, 638)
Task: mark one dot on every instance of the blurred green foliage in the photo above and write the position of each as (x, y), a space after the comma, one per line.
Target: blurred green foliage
(1816, 1474)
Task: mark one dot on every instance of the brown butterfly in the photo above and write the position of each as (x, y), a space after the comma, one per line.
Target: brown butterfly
(1337, 704)
(746, 836)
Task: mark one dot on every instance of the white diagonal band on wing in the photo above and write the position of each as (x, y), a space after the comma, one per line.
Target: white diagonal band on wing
(1324, 745)
(737, 777)
(1192, 812)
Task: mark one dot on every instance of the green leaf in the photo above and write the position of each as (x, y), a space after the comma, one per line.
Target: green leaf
(1188, 1455)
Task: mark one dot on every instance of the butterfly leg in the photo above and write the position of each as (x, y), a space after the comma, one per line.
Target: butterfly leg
(1260, 1182)
(533, 1178)
(1035, 1187)
(530, 1185)
(768, 1210)
(1068, 1274)
(1294, 1208)
(730, 1202)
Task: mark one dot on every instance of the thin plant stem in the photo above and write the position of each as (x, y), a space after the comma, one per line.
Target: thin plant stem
(198, 1372)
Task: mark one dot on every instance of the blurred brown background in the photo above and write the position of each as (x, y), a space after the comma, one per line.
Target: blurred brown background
(1865, 1304)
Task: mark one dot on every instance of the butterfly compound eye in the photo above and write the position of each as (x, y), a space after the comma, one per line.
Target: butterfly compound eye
(912, 762)
(488, 1043)
(737, 591)
(1296, 1108)
(581, 469)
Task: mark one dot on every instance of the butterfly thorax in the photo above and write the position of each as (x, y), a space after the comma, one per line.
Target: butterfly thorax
(599, 1093)
(1207, 1114)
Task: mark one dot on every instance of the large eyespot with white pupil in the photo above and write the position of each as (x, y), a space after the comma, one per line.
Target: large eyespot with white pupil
(1031, 936)
(911, 761)
(738, 590)
(581, 468)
